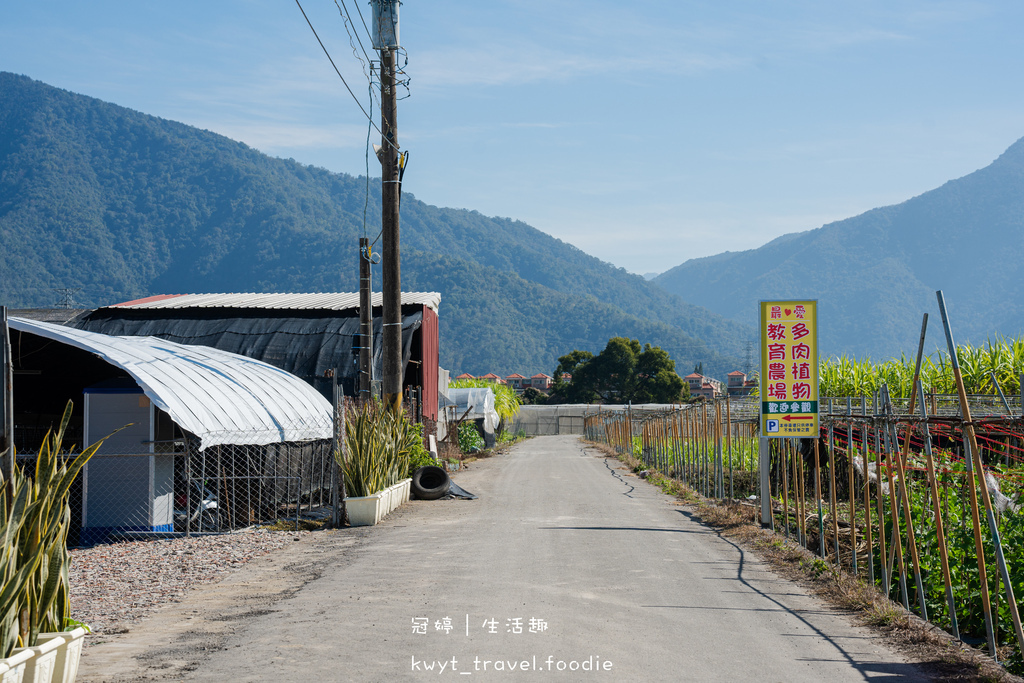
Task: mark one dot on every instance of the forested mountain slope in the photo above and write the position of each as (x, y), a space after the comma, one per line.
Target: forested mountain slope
(122, 205)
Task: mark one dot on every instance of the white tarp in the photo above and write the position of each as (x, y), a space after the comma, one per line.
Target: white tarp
(479, 403)
(220, 397)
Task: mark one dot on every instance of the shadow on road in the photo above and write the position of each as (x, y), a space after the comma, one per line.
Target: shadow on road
(869, 670)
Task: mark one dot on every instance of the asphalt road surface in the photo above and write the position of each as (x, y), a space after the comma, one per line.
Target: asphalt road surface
(567, 567)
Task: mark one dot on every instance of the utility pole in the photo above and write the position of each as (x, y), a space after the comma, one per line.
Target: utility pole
(385, 39)
(365, 322)
(6, 404)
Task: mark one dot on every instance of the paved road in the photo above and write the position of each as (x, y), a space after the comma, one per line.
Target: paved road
(618, 583)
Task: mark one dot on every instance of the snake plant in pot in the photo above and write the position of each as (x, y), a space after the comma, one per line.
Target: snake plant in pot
(379, 443)
(34, 523)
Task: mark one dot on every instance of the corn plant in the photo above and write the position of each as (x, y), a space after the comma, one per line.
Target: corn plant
(844, 376)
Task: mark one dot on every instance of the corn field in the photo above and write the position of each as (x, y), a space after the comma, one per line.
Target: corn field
(996, 366)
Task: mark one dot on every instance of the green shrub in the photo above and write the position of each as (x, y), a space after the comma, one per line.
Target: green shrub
(470, 440)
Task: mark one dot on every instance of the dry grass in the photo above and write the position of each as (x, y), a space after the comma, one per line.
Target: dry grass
(942, 657)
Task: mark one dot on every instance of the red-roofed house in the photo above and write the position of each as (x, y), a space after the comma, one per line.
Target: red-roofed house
(705, 387)
(540, 382)
(465, 375)
(739, 385)
(515, 380)
(491, 377)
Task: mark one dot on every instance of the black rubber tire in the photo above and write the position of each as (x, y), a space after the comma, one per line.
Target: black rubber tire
(430, 483)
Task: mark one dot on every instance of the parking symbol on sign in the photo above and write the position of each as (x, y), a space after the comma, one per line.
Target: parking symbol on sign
(771, 426)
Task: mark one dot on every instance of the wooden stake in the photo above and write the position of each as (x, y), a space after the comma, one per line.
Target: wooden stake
(817, 495)
(832, 489)
(986, 498)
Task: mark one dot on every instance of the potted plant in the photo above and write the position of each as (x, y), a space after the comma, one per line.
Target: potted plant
(376, 466)
(34, 600)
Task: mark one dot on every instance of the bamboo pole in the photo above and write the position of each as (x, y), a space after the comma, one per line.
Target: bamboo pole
(728, 443)
(867, 494)
(803, 494)
(880, 500)
(817, 495)
(853, 497)
(940, 534)
(986, 498)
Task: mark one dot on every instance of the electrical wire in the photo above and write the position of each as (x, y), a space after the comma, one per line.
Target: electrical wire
(369, 130)
(367, 28)
(345, 20)
(344, 82)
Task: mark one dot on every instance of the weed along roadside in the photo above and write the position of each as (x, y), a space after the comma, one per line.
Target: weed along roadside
(736, 520)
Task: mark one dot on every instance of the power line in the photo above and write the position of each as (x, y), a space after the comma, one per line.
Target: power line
(345, 17)
(337, 71)
(367, 28)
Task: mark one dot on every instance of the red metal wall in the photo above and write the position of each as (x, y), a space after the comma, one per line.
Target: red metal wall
(430, 350)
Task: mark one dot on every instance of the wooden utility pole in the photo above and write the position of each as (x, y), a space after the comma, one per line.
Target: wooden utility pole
(365, 322)
(385, 39)
(6, 402)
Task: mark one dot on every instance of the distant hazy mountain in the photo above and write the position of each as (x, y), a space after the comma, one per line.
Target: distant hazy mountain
(122, 205)
(876, 274)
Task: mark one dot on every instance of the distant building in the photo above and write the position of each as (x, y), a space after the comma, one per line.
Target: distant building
(705, 387)
(515, 380)
(491, 377)
(540, 382)
(465, 375)
(739, 385)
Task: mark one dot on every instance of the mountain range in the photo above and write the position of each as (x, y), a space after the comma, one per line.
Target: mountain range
(117, 205)
(875, 274)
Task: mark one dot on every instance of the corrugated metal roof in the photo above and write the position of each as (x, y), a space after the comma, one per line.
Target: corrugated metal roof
(220, 397)
(326, 301)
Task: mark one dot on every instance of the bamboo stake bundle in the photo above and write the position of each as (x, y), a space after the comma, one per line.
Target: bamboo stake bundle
(975, 456)
(832, 490)
(897, 541)
(907, 517)
(898, 489)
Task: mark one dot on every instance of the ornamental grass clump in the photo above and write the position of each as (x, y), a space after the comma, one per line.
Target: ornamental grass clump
(380, 443)
(34, 560)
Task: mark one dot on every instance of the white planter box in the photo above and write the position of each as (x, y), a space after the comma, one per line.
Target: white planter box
(40, 668)
(69, 654)
(365, 510)
(369, 510)
(12, 669)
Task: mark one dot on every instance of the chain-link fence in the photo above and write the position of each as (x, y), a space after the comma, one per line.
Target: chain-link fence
(142, 488)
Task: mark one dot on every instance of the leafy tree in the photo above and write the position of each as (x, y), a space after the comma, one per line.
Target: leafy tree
(623, 372)
(563, 391)
(532, 397)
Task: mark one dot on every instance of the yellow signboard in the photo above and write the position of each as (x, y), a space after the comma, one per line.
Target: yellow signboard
(789, 369)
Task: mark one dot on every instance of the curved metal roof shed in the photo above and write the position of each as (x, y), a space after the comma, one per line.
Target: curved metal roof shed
(220, 397)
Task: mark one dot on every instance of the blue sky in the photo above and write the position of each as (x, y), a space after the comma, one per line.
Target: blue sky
(644, 132)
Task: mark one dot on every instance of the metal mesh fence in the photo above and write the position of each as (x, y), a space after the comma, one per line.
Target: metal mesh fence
(169, 487)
